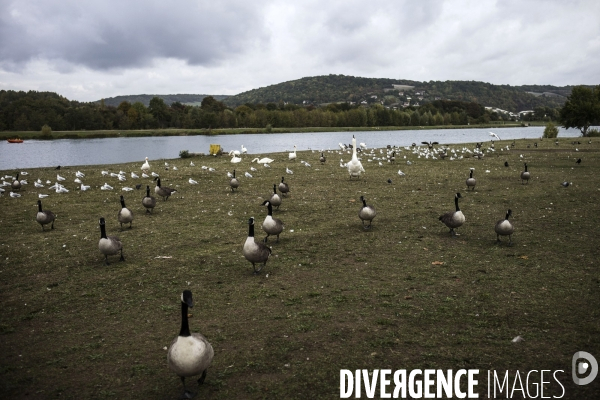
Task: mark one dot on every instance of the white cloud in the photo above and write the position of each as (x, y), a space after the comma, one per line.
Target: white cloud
(89, 50)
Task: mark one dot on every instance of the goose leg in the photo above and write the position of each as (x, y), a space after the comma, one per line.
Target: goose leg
(122, 258)
(256, 271)
(202, 378)
(187, 394)
(52, 225)
(106, 259)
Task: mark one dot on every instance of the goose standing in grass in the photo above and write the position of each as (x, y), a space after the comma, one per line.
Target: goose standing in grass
(234, 183)
(284, 188)
(525, 175)
(145, 166)
(322, 159)
(163, 191)
(366, 213)
(471, 182)
(44, 217)
(275, 200)
(453, 219)
(271, 226)
(253, 251)
(16, 184)
(292, 155)
(354, 166)
(505, 228)
(148, 201)
(125, 215)
(109, 245)
(190, 354)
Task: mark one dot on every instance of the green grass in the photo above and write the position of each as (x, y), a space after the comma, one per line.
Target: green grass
(402, 295)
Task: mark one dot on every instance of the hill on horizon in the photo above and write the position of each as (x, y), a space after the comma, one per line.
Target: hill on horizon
(188, 99)
(318, 90)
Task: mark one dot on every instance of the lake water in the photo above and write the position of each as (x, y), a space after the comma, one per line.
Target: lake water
(70, 152)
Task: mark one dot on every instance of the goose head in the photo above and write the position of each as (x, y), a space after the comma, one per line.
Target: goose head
(186, 298)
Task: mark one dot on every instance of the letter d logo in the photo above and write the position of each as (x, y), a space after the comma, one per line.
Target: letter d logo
(590, 364)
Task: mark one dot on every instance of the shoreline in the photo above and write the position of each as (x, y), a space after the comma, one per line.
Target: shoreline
(37, 135)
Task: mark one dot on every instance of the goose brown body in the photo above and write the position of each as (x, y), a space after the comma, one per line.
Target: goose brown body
(109, 245)
(254, 252)
(366, 213)
(190, 354)
(504, 227)
(148, 201)
(271, 226)
(453, 219)
(163, 191)
(44, 217)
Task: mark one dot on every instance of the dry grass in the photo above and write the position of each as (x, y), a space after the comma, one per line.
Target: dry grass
(333, 296)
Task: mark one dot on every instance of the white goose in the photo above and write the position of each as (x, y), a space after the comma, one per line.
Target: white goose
(292, 155)
(145, 166)
(354, 166)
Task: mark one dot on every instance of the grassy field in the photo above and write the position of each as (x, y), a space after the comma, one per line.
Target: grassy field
(401, 295)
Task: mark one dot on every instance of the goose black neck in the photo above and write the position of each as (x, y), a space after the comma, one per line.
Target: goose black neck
(282, 179)
(270, 209)
(507, 215)
(250, 230)
(185, 326)
(456, 203)
(122, 202)
(525, 167)
(364, 203)
(234, 173)
(471, 174)
(158, 182)
(39, 205)
(103, 231)
(274, 188)
(147, 191)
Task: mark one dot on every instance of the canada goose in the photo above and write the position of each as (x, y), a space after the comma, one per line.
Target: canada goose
(253, 251)
(109, 245)
(44, 217)
(430, 144)
(234, 182)
(453, 219)
(145, 166)
(16, 184)
(578, 161)
(354, 166)
(525, 175)
(283, 187)
(505, 228)
(125, 215)
(163, 191)
(275, 200)
(272, 226)
(506, 163)
(393, 157)
(148, 201)
(190, 354)
(366, 213)
(292, 155)
(566, 184)
(471, 182)
(322, 159)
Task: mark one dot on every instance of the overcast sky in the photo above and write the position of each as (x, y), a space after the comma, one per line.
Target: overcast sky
(88, 50)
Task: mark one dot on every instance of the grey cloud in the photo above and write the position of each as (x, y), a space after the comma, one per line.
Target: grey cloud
(110, 35)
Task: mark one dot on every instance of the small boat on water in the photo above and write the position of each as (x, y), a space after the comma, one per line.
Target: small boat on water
(16, 140)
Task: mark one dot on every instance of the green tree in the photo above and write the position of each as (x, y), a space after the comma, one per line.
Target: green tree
(582, 109)
(551, 131)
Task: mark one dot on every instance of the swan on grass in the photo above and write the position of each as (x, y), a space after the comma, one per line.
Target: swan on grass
(354, 166)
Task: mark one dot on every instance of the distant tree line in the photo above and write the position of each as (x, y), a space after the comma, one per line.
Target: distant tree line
(30, 111)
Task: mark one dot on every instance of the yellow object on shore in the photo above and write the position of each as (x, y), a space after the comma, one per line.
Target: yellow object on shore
(215, 149)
